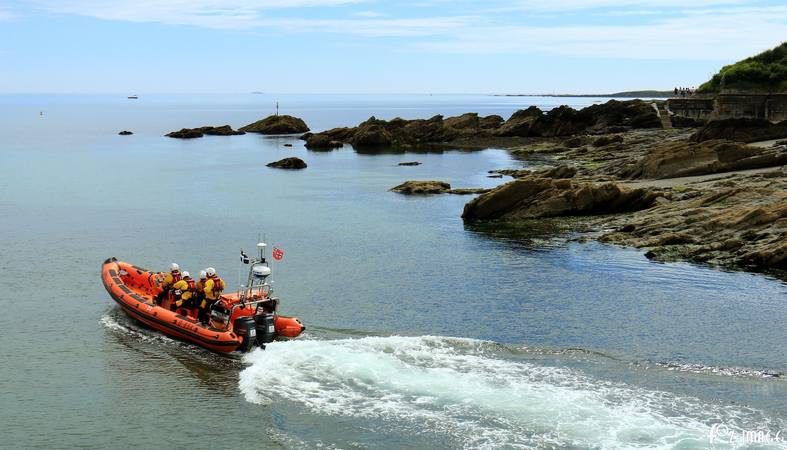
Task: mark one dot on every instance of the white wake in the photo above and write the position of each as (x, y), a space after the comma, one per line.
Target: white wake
(464, 391)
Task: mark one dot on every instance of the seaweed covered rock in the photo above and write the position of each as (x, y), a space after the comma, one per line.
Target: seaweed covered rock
(282, 124)
(422, 187)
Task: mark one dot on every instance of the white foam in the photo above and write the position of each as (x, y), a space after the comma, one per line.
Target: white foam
(461, 389)
(122, 327)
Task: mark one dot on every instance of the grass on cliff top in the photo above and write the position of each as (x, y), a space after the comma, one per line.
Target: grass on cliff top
(766, 72)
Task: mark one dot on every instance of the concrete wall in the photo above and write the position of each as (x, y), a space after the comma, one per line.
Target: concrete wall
(730, 105)
(693, 107)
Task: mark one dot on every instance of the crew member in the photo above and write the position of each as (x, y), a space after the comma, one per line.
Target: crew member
(172, 277)
(203, 312)
(214, 286)
(183, 292)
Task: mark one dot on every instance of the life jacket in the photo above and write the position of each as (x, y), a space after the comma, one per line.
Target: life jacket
(175, 274)
(218, 285)
(201, 285)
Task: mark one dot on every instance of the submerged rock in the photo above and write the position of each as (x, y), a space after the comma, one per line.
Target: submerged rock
(125, 133)
(409, 163)
(288, 163)
(283, 124)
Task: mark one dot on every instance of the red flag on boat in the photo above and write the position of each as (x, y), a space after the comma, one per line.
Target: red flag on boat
(278, 254)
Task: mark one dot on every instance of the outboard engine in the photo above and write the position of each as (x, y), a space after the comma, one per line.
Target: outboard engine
(245, 328)
(266, 329)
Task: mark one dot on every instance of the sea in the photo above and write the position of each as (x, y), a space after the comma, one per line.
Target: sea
(422, 332)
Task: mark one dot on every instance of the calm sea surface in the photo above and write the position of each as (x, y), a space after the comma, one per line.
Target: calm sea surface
(421, 333)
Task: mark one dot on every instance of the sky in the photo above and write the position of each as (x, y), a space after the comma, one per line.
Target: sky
(376, 46)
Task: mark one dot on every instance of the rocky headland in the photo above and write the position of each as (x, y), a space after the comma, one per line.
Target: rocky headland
(474, 131)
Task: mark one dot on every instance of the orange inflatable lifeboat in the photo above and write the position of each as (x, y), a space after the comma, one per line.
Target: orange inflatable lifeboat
(239, 321)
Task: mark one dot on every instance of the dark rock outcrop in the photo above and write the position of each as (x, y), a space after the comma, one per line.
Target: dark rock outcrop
(322, 142)
(565, 121)
(409, 163)
(613, 116)
(741, 130)
(224, 130)
(288, 163)
(532, 197)
(681, 159)
(686, 122)
(191, 133)
(125, 133)
(186, 133)
(283, 124)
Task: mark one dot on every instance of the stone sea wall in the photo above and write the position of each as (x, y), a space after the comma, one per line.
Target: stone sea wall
(771, 107)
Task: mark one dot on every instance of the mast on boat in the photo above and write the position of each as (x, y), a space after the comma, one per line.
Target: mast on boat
(257, 287)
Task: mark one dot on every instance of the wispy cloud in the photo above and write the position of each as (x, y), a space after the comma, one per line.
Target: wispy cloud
(205, 13)
(368, 14)
(709, 35)
(614, 5)
(6, 14)
(637, 29)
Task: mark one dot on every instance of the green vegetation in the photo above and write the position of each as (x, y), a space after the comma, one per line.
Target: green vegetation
(766, 72)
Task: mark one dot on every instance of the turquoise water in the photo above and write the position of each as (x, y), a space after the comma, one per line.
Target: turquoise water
(422, 333)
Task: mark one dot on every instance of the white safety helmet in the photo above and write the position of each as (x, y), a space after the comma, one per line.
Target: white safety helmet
(174, 266)
(210, 271)
(186, 274)
(202, 275)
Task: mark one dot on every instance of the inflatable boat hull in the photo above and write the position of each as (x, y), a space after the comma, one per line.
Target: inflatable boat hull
(134, 290)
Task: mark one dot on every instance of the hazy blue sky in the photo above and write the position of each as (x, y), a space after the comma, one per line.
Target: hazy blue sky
(377, 46)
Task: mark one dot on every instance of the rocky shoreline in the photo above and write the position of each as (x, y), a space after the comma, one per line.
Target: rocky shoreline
(687, 194)
(718, 202)
(698, 193)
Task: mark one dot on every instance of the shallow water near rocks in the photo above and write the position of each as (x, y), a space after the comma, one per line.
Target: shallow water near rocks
(422, 332)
